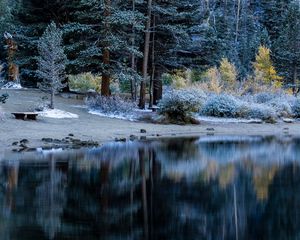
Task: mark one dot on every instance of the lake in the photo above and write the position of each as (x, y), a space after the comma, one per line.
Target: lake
(212, 187)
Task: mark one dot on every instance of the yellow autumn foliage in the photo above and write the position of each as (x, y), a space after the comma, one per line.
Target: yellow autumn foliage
(228, 74)
(264, 69)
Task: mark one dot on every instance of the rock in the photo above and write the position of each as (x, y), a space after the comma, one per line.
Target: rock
(133, 137)
(143, 138)
(120, 139)
(271, 120)
(194, 121)
(210, 129)
(143, 131)
(22, 145)
(24, 141)
(288, 120)
(71, 135)
(158, 135)
(47, 140)
(15, 143)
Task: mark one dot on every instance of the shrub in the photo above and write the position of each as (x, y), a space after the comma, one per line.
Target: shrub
(260, 111)
(222, 106)
(282, 106)
(296, 108)
(84, 82)
(179, 105)
(264, 97)
(178, 79)
(111, 105)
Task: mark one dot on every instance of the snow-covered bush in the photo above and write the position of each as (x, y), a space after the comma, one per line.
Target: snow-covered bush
(260, 111)
(264, 97)
(111, 105)
(179, 105)
(282, 106)
(296, 108)
(222, 106)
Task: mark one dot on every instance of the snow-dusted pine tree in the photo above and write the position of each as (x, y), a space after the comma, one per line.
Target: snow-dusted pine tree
(51, 61)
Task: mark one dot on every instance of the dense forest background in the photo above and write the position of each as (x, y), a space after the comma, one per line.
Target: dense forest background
(108, 37)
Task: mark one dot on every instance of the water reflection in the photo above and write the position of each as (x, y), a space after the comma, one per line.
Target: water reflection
(200, 188)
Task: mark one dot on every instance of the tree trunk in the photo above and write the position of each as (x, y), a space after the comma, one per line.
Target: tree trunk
(52, 97)
(296, 87)
(12, 47)
(152, 65)
(146, 56)
(237, 20)
(106, 54)
(133, 66)
(157, 87)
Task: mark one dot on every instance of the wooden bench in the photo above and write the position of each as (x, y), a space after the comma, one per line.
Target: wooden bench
(25, 115)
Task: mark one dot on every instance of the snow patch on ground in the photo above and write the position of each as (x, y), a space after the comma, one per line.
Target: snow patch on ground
(227, 120)
(57, 113)
(12, 85)
(112, 115)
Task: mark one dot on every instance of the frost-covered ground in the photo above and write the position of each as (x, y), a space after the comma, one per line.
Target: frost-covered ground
(113, 115)
(102, 129)
(12, 85)
(134, 115)
(57, 113)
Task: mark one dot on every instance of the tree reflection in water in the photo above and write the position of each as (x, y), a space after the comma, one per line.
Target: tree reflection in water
(207, 188)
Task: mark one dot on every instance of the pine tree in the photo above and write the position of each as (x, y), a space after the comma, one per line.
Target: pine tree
(51, 62)
(105, 39)
(31, 22)
(172, 45)
(287, 46)
(273, 10)
(146, 54)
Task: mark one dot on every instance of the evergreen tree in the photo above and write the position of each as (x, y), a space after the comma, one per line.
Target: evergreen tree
(106, 34)
(31, 21)
(287, 46)
(51, 62)
(272, 12)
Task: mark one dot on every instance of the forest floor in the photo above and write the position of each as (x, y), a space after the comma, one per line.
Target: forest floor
(103, 129)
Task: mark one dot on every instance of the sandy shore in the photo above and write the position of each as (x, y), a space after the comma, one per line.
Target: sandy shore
(101, 129)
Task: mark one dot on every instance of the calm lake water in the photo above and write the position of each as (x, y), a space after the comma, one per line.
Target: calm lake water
(199, 188)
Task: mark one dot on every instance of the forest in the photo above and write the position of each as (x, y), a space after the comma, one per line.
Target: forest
(142, 48)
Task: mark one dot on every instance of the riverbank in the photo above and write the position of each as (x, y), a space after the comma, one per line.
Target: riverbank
(88, 127)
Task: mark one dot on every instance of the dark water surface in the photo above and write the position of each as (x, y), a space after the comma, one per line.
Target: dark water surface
(200, 188)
